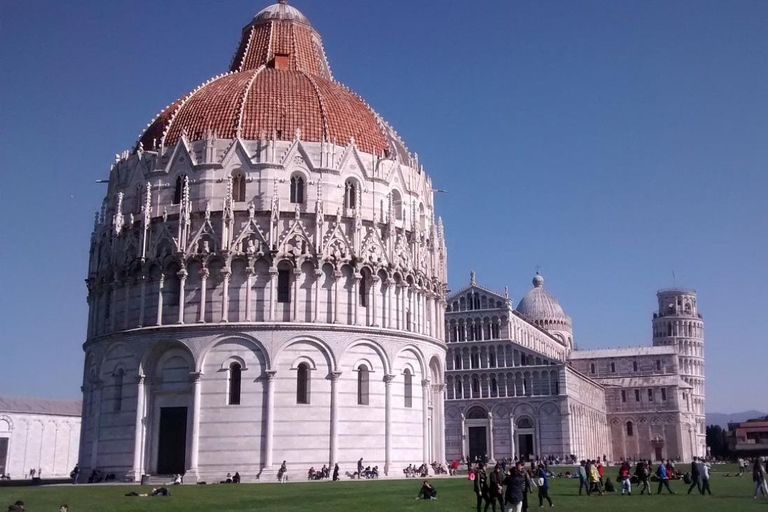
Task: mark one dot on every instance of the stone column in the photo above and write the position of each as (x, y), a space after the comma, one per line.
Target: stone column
(425, 418)
(336, 277)
(226, 273)
(143, 299)
(492, 458)
(270, 423)
(295, 299)
(160, 287)
(463, 437)
(196, 399)
(356, 293)
(375, 281)
(334, 455)
(512, 443)
(272, 292)
(182, 292)
(390, 297)
(138, 440)
(316, 311)
(248, 293)
(204, 274)
(388, 424)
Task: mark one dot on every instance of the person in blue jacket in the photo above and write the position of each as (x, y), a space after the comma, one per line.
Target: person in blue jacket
(661, 472)
(543, 481)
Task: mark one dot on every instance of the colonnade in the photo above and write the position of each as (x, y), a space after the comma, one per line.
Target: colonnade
(503, 384)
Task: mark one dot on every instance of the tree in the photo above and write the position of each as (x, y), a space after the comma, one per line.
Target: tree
(717, 441)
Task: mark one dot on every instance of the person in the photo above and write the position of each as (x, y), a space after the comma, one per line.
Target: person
(704, 477)
(481, 487)
(758, 476)
(515, 486)
(642, 473)
(583, 483)
(17, 507)
(282, 473)
(626, 482)
(235, 479)
(661, 472)
(336, 472)
(360, 468)
(228, 480)
(427, 492)
(454, 467)
(742, 465)
(496, 488)
(544, 487)
(527, 489)
(64, 508)
(75, 474)
(609, 487)
(594, 479)
(694, 476)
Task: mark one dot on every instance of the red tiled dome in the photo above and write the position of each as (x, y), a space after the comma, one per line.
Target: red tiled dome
(279, 82)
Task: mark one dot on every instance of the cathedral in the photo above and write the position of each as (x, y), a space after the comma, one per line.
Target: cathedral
(267, 282)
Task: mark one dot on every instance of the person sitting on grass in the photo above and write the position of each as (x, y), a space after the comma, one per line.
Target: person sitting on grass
(427, 492)
(16, 507)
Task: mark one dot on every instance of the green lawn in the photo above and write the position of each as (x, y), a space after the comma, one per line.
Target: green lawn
(455, 494)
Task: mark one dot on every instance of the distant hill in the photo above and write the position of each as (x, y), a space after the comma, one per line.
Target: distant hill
(719, 418)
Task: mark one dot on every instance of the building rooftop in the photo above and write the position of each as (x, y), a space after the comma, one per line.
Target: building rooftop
(34, 405)
(644, 382)
(622, 352)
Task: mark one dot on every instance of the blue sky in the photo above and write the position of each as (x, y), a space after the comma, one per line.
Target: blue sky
(611, 143)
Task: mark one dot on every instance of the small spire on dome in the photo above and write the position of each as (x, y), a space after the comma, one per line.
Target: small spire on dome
(538, 280)
(472, 280)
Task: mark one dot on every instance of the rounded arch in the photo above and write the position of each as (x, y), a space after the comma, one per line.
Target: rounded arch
(224, 338)
(305, 360)
(476, 411)
(163, 350)
(318, 343)
(417, 353)
(436, 372)
(386, 364)
(107, 367)
(6, 424)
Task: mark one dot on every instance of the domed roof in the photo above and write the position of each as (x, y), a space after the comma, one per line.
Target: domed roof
(279, 84)
(539, 304)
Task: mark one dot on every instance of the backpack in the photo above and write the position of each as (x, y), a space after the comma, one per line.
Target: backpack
(472, 476)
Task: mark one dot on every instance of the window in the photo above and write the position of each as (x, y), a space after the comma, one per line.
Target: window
(492, 359)
(592, 368)
(238, 187)
(458, 361)
(623, 396)
(637, 395)
(284, 285)
(297, 189)
(634, 366)
(663, 395)
(630, 429)
(475, 385)
(408, 388)
(650, 395)
(363, 290)
(494, 387)
(397, 205)
(658, 364)
(613, 367)
(350, 194)
(118, 403)
(302, 384)
(234, 383)
(363, 378)
(475, 360)
(177, 193)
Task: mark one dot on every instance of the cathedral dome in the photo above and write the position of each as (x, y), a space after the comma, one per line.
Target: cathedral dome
(279, 85)
(538, 304)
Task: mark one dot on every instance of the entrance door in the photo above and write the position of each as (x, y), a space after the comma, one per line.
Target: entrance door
(657, 449)
(525, 445)
(478, 446)
(3, 455)
(172, 441)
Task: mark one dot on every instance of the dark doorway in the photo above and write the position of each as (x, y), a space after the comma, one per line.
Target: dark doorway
(3, 454)
(172, 441)
(657, 449)
(478, 446)
(525, 445)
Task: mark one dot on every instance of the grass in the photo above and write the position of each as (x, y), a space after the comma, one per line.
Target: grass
(455, 494)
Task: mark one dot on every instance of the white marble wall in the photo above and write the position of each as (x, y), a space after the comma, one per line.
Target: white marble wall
(43, 442)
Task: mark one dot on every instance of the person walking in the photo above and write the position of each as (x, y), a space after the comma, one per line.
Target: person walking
(694, 476)
(583, 483)
(481, 487)
(496, 488)
(75, 474)
(758, 476)
(515, 486)
(594, 479)
(642, 472)
(661, 472)
(626, 482)
(543, 483)
(336, 472)
(360, 468)
(704, 477)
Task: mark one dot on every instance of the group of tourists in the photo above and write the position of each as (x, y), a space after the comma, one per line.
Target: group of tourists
(509, 489)
(19, 507)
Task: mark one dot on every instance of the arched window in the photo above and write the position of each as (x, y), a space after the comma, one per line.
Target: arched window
(302, 384)
(284, 285)
(613, 367)
(494, 386)
(524, 423)
(422, 217)
(457, 365)
(397, 205)
(238, 187)
(350, 194)
(118, 403)
(634, 366)
(297, 189)
(179, 189)
(475, 385)
(658, 364)
(235, 374)
(363, 290)
(630, 429)
(592, 368)
(363, 378)
(408, 388)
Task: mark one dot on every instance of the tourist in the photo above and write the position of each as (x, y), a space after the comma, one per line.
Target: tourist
(336, 472)
(594, 479)
(515, 487)
(704, 477)
(282, 473)
(427, 492)
(454, 467)
(528, 489)
(64, 508)
(758, 476)
(75, 474)
(742, 465)
(661, 473)
(583, 483)
(626, 481)
(481, 487)
(360, 468)
(694, 476)
(543, 483)
(496, 488)
(642, 472)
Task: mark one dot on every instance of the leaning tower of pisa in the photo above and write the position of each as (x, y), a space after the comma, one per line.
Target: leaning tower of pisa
(678, 323)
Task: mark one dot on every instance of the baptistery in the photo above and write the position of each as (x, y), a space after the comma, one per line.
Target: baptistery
(266, 281)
